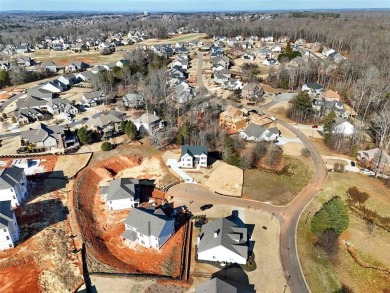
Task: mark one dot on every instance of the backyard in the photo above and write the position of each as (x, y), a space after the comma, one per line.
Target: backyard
(325, 274)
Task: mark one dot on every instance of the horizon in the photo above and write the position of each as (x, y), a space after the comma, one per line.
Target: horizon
(158, 6)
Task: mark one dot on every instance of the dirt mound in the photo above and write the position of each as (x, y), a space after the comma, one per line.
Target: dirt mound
(10, 281)
(101, 229)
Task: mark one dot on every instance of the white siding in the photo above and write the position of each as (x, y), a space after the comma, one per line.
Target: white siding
(221, 254)
(122, 204)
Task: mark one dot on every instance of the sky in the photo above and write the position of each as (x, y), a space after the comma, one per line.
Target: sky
(186, 5)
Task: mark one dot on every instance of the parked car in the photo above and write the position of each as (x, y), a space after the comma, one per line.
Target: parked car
(22, 150)
(367, 172)
(206, 207)
(314, 126)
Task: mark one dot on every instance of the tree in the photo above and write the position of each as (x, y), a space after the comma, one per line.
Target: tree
(328, 126)
(84, 135)
(4, 78)
(106, 146)
(274, 154)
(131, 130)
(301, 107)
(328, 241)
(332, 215)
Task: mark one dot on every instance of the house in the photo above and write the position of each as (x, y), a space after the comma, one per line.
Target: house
(86, 76)
(343, 127)
(46, 138)
(374, 159)
(312, 88)
(182, 93)
(276, 48)
(249, 56)
(110, 66)
(76, 66)
(9, 230)
(328, 52)
(330, 95)
(232, 119)
(223, 240)
(121, 63)
(232, 84)
(148, 123)
(193, 156)
(148, 227)
(264, 53)
(254, 132)
(252, 91)
(13, 185)
(216, 285)
(123, 193)
(5, 65)
(98, 69)
(24, 61)
(134, 101)
(49, 65)
(68, 79)
(23, 48)
(107, 124)
(28, 115)
(58, 105)
(270, 62)
(207, 107)
(180, 63)
(93, 99)
(31, 102)
(53, 86)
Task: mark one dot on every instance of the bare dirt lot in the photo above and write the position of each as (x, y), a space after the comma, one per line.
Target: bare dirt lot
(102, 229)
(71, 164)
(327, 274)
(221, 178)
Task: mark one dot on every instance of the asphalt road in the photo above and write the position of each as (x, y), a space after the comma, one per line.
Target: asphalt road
(194, 196)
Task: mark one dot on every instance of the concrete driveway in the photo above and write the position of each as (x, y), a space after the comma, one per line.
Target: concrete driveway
(175, 167)
(347, 167)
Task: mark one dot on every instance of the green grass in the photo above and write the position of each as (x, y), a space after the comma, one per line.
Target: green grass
(277, 189)
(324, 275)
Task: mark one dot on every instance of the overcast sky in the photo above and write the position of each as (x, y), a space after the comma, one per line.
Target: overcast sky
(186, 5)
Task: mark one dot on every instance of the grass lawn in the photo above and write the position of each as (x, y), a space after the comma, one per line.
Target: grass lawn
(266, 186)
(324, 275)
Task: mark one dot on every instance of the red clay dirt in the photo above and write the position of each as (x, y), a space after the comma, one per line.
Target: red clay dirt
(21, 278)
(101, 229)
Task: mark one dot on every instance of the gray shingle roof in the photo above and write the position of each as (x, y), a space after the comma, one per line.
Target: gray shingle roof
(123, 188)
(147, 221)
(10, 177)
(30, 102)
(215, 285)
(147, 118)
(6, 213)
(40, 134)
(254, 130)
(229, 235)
(102, 119)
(193, 150)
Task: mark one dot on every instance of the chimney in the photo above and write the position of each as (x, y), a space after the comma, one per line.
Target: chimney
(216, 233)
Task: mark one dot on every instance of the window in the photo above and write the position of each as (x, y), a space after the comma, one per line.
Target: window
(213, 257)
(10, 245)
(5, 230)
(7, 237)
(12, 190)
(14, 197)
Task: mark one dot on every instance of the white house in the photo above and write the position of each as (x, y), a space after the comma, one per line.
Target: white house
(13, 185)
(148, 227)
(9, 230)
(276, 48)
(254, 132)
(270, 62)
(148, 122)
(342, 126)
(222, 240)
(123, 193)
(312, 88)
(193, 156)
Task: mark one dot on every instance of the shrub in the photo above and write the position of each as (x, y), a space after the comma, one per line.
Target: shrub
(328, 242)
(106, 146)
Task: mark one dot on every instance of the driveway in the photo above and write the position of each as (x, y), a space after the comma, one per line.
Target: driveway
(348, 167)
(175, 167)
(283, 140)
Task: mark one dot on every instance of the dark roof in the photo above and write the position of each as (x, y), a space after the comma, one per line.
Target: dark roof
(215, 285)
(148, 221)
(10, 177)
(230, 235)
(193, 150)
(123, 188)
(314, 86)
(6, 213)
(254, 130)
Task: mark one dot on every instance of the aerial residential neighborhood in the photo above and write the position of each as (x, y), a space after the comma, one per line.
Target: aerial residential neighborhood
(208, 149)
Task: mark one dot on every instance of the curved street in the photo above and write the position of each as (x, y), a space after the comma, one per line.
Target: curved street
(288, 216)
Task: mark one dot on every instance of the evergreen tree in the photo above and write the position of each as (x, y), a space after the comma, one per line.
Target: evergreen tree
(328, 126)
(84, 135)
(131, 130)
(332, 215)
